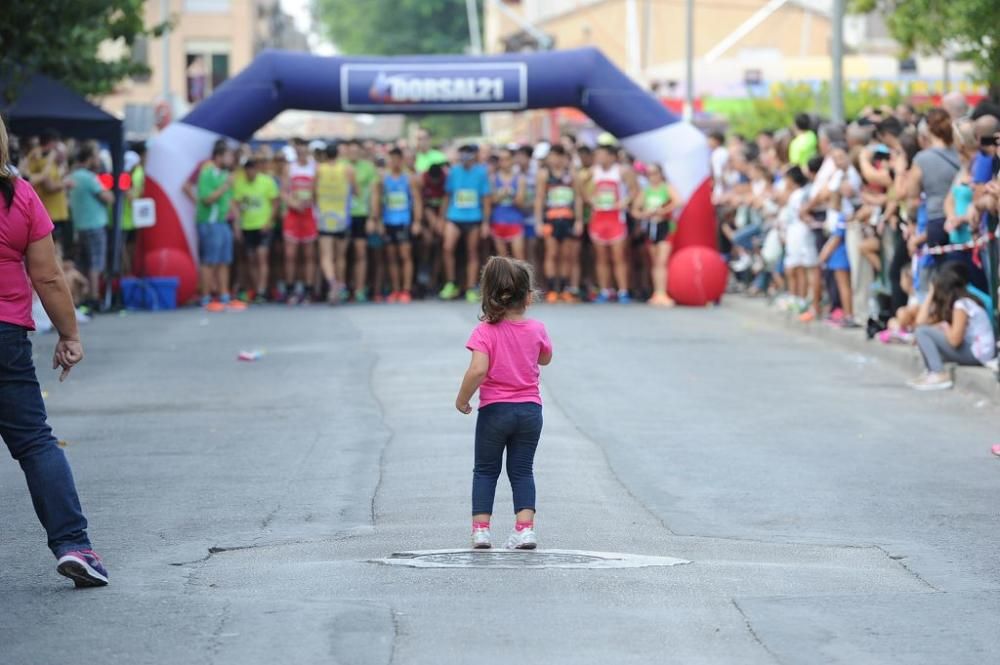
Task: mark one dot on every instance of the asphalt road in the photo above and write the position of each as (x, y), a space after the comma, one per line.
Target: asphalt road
(829, 514)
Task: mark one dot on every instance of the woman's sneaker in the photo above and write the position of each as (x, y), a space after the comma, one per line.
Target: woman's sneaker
(84, 567)
(481, 539)
(522, 540)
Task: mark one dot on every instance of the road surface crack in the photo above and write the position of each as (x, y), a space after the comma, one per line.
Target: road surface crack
(899, 560)
(753, 633)
(388, 439)
(550, 395)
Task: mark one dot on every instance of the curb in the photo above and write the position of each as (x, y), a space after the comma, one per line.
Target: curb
(978, 380)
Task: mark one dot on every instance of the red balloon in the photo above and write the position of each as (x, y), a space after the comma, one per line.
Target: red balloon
(697, 276)
(170, 262)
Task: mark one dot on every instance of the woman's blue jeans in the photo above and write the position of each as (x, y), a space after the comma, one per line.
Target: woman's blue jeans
(514, 427)
(25, 430)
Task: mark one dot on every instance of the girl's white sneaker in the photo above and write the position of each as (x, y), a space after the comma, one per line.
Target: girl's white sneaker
(522, 540)
(933, 381)
(481, 539)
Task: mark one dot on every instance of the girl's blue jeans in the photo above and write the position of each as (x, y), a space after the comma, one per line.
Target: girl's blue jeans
(25, 430)
(514, 427)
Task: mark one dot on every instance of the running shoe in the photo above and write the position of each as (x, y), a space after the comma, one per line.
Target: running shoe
(522, 540)
(393, 297)
(379, 298)
(567, 296)
(405, 298)
(449, 292)
(236, 306)
(215, 306)
(481, 539)
(551, 297)
(624, 298)
(84, 567)
(932, 381)
(345, 294)
(807, 316)
(360, 296)
(602, 297)
(260, 299)
(996, 449)
(472, 295)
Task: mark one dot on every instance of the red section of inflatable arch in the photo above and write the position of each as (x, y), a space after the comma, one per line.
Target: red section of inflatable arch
(697, 276)
(696, 225)
(163, 250)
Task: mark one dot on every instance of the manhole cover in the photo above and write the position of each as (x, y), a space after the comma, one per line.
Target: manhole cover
(524, 559)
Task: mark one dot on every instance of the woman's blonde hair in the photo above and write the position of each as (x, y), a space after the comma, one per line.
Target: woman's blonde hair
(6, 171)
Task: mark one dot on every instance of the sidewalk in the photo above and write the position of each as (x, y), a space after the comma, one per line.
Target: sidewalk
(978, 380)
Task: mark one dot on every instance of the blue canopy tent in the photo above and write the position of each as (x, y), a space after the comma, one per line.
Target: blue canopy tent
(41, 103)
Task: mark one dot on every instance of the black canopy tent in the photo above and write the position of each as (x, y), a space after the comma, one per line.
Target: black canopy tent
(42, 103)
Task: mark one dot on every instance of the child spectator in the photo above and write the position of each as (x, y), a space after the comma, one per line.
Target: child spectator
(507, 350)
(952, 326)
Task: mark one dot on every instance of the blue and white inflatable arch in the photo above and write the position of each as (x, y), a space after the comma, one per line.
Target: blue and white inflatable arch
(278, 80)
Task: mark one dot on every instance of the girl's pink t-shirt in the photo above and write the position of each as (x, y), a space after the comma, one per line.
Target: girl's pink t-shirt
(25, 222)
(513, 348)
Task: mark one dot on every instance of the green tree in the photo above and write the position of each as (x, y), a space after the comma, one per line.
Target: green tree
(755, 114)
(394, 27)
(966, 28)
(402, 27)
(60, 38)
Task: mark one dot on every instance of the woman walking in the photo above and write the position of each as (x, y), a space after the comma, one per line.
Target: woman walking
(28, 259)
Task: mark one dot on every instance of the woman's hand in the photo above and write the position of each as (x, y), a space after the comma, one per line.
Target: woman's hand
(463, 407)
(68, 353)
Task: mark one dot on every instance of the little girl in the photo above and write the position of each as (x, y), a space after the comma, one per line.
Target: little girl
(506, 350)
(952, 326)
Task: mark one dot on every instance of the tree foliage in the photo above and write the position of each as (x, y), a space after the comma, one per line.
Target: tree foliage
(748, 117)
(394, 27)
(402, 27)
(967, 29)
(60, 38)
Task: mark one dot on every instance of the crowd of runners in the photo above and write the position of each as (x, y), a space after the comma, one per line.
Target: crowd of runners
(389, 222)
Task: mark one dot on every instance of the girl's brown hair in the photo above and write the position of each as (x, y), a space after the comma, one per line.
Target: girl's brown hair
(507, 286)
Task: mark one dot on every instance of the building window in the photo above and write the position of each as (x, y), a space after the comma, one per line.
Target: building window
(207, 67)
(207, 6)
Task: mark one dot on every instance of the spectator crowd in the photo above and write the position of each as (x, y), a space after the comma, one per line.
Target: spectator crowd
(886, 223)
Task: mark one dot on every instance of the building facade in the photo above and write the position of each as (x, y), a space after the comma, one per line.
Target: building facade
(208, 42)
(740, 46)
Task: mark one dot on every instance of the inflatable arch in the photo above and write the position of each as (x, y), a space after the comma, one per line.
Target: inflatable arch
(279, 80)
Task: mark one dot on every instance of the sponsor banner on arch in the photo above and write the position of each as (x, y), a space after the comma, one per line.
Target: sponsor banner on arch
(434, 87)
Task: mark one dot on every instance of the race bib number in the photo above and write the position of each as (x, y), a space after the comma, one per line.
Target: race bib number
(397, 201)
(252, 204)
(606, 198)
(654, 201)
(466, 198)
(560, 197)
